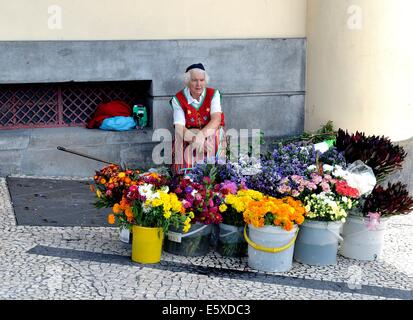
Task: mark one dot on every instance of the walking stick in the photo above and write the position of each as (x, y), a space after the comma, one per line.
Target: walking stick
(84, 155)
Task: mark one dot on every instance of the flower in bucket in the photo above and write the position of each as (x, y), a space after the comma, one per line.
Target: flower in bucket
(200, 198)
(269, 211)
(387, 202)
(325, 207)
(111, 182)
(150, 204)
(235, 204)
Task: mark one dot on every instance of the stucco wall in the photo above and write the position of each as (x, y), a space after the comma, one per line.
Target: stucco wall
(360, 66)
(155, 19)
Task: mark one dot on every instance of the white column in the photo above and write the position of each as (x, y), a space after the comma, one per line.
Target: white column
(360, 66)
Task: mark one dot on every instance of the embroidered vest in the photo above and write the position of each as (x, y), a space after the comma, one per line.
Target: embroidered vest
(198, 118)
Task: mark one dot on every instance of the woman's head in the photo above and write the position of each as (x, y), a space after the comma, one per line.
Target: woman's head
(196, 79)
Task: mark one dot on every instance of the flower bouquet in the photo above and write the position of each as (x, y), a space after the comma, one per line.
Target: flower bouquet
(231, 239)
(327, 208)
(364, 234)
(150, 210)
(111, 183)
(379, 153)
(273, 226)
(201, 202)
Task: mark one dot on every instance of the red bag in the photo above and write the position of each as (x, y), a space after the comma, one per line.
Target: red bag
(109, 110)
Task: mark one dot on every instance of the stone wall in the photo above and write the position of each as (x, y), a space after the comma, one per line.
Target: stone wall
(262, 82)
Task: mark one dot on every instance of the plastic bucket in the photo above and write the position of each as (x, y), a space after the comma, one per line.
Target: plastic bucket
(231, 242)
(360, 243)
(270, 248)
(317, 243)
(125, 235)
(193, 243)
(147, 244)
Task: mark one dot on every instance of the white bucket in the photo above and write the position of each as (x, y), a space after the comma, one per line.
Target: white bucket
(359, 242)
(317, 243)
(268, 238)
(125, 235)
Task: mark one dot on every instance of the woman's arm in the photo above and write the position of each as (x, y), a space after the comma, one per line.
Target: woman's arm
(186, 134)
(212, 125)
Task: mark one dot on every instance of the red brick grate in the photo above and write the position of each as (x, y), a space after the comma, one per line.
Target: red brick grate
(61, 105)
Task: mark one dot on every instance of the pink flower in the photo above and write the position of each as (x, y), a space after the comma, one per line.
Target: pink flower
(311, 186)
(315, 178)
(230, 186)
(325, 186)
(296, 179)
(327, 177)
(186, 204)
(374, 220)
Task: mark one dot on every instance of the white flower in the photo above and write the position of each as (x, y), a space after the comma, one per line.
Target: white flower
(311, 167)
(145, 189)
(165, 189)
(327, 168)
(339, 172)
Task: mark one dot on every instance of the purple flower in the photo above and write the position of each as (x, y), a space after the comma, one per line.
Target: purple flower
(230, 186)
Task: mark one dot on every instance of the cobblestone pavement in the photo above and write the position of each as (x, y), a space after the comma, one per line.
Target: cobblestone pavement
(91, 263)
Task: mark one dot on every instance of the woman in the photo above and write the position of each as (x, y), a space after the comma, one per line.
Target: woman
(198, 120)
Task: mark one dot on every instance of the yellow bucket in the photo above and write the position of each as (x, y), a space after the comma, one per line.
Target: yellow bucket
(146, 244)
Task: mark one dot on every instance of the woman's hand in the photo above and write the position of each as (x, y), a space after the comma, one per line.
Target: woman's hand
(198, 142)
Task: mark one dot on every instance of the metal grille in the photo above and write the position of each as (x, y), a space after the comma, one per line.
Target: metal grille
(61, 105)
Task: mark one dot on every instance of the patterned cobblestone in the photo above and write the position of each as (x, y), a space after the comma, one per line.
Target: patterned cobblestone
(91, 263)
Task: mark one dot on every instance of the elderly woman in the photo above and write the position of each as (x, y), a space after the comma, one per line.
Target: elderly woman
(198, 120)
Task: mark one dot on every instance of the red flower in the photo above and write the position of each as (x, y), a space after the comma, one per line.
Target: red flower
(344, 189)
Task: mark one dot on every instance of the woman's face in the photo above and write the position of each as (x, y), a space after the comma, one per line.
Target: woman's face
(197, 83)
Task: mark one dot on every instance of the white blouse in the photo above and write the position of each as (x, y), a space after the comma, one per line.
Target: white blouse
(179, 115)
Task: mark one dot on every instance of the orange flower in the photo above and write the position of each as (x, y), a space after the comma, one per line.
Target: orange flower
(111, 218)
(102, 181)
(129, 214)
(117, 209)
(127, 180)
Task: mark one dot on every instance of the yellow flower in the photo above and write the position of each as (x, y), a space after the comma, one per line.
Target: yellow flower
(121, 175)
(186, 228)
(230, 199)
(191, 215)
(167, 214)
(223, 208)
(98, 193)
(156, 202)
(187, 221)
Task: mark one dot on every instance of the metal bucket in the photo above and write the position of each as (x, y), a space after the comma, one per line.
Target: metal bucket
(270, 248)
(317, 243)
(361, 243)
